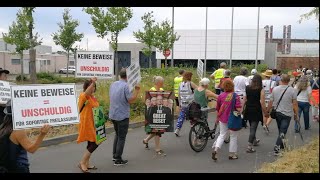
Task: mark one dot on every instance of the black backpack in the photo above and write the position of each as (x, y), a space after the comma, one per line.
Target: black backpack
(193, 111)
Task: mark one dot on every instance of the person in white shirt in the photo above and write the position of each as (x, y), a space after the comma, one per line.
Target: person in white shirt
(240, 83)
(253, 72)
(268, 86)
(304, 96)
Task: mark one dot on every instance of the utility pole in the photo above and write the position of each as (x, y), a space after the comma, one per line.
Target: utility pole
(205, 46)
(256, 63)
(172, 34)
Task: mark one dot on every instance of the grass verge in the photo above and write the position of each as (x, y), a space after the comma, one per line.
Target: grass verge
(301, 160)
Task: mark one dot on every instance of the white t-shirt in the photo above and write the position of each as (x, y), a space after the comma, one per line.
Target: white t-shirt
(250, 79)
(268, 84)
(240, 83)
(303, 96)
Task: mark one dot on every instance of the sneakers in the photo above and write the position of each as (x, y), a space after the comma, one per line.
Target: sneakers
(161, 153)
(227, 140)
(256, 142)
(120, 162)
(214, 155)
(250, 150)
(176, 132)
(114, 159)
(276, 150)
(266, 129)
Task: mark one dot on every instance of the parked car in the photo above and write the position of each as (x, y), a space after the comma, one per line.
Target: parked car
(72, 70)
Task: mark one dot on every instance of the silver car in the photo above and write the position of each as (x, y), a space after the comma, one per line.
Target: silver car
(72, 70)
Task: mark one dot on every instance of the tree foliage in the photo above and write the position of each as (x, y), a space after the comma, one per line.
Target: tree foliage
(148, 35)
(113, 20)
(313, 13)
(67, 35)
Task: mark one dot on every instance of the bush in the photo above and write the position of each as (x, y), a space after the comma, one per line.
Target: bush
(44, 75)
(18, 78)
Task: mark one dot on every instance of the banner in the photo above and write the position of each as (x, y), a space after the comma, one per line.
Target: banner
(99, 123)
(94, 64)
(133, 74)
(34, 106)
(159, 111)
(5, 93)
(200, 68)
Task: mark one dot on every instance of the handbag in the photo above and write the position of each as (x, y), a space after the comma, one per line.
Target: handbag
(273, 111)
(234, 120)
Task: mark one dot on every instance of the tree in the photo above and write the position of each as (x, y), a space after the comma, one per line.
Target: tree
(147, 37)
(67, 35)
(33, 41)
(164, 37)
(113, 20)
(307, 16)
(18, 35)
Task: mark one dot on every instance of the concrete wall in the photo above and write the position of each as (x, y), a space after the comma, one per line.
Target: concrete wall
(270, 55)
(56, 62)
(305, 49)
(41, 49)
(134, 48)
(293, 62)
(191, 44)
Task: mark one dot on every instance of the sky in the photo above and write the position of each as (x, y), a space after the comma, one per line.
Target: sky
(46, 19)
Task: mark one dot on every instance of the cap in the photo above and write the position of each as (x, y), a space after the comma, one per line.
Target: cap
(253, 71)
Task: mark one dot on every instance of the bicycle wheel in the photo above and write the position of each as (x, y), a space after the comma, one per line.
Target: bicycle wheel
(197, 138)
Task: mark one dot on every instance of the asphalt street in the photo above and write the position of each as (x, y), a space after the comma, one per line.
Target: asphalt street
(180, 158)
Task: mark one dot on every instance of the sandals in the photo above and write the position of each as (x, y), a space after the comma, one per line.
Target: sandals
(84, 171)
(256, 142)
(250, 150)
(147, 145)
(93, 168)
(233, 157)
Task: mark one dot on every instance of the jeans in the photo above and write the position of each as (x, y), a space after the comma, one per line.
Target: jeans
(121, 130)
(20, 168)
(253, 130)
(233, 138)
(303, 107)
(283, 123)
(182, 117)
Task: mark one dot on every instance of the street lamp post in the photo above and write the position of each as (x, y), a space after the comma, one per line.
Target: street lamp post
(256, 62)
(205, 45)
(230, 63)
(172, 35)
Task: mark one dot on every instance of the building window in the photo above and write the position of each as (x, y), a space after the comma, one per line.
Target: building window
(48, 62)
(15, 61)
(71, 63)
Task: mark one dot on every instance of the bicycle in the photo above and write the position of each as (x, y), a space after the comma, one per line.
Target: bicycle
(201, 131)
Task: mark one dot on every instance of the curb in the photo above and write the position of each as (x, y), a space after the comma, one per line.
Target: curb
(73, 137)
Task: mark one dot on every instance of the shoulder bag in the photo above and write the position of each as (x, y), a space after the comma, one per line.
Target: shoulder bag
(234, 120)
(273, 111)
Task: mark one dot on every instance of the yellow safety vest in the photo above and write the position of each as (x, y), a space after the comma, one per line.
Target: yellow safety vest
(177, 80)
(154, 89)
(218, 75)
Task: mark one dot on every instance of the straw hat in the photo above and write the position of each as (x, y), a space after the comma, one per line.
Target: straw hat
(268, 73)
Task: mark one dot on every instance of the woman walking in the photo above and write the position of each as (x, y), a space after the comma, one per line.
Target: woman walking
(304, 96)
(255, 106)
(158, 86)
(87, 132)
(224, 108)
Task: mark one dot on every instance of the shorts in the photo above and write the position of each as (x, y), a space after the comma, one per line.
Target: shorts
(177, 101)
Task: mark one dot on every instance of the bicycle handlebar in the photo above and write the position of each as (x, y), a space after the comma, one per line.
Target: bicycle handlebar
(207, 109)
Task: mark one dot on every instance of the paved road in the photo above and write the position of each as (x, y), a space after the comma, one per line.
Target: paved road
(64, 158)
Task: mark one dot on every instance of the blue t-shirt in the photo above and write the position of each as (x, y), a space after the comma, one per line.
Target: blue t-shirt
(119, 106)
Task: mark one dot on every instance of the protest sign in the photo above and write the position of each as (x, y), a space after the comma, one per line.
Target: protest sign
(5, 93)
(200, 68)
(99, 123)
(159, 111)
(94, 64)
(133, 75)
(34, 106)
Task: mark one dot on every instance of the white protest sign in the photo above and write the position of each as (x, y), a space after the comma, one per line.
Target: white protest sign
(133, 75)
(200, 68)
(94, 64)
(34, 106)
(5, 94)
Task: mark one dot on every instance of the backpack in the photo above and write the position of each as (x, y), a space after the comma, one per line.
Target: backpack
(193, 112)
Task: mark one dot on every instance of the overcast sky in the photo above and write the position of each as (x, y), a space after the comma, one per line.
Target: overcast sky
(46, 19)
